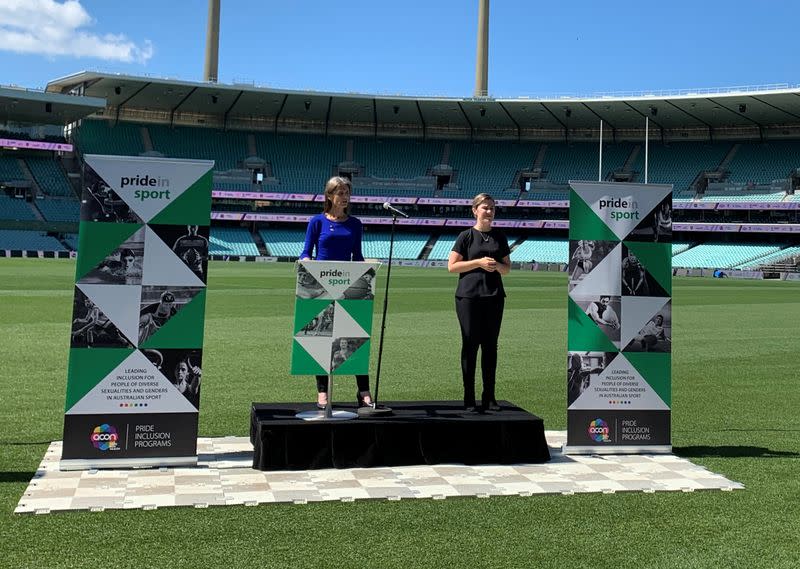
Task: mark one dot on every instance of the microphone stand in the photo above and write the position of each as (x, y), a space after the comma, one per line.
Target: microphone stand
(376, 410)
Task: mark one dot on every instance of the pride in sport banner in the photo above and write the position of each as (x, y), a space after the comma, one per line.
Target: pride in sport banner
(135, 361)
(333, 317)
(620, 318)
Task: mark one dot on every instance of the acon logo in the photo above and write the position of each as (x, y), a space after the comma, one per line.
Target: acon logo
(105, 437)
(598, 431)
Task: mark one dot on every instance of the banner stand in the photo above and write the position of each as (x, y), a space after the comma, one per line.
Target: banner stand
(136, 345)
(332, 325)
(619, 335)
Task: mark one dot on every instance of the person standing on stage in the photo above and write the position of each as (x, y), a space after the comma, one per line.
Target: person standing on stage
(480, 256)
(335, 235)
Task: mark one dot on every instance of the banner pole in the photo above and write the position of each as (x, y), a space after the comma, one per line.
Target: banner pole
(385, 306)
(646, 145)
(600, 165)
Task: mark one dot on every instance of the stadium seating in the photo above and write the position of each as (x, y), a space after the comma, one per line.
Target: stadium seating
(679, 163)
(283, 242)
(28, 240)
(302, 163)
(226, 148)
(60, 210)
(104, 137)
(375, 245)
(15, 209)
(680, 248)
(10, 170)
(396, 158)
(71, 239)
(783, 255)
(231, 241)
(488, 166)
(579, 161)
(721, 256)
(234, 186)
(441, 248)
(763, 162)
(541, 250)
(50, 176)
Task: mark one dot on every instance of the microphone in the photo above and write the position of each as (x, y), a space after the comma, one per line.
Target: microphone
(394, 210)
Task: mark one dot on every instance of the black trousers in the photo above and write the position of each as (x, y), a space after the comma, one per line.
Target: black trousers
(480, 320)
(361, 380)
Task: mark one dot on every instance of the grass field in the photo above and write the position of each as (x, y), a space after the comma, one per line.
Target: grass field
(736, 396)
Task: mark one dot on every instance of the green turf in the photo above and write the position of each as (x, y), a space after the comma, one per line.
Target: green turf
(735, 402)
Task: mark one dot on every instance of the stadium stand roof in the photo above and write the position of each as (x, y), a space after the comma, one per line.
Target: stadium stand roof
(38, 107)
(752, 108)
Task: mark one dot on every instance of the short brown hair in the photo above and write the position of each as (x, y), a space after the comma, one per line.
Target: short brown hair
(480, 198)
(331, 187)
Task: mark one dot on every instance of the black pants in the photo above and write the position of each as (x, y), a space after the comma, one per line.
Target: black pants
(480, 320)
(361, 380)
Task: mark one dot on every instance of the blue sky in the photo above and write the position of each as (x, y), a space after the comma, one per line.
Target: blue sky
(413, 47)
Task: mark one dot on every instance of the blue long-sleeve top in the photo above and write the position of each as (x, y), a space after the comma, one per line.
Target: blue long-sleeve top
(333, 240)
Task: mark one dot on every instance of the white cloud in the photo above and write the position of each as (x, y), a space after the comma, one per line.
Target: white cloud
(53, 28)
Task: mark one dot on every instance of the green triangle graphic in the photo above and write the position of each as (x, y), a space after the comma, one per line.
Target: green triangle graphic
(357, 363)
(584, 223)
(303, 363)
(184, 330)
(657, 259)
(307, 309)
(192, 207)
(88, 367)
(361, 311)
(656, 369)
(97, 240)
(583, 334)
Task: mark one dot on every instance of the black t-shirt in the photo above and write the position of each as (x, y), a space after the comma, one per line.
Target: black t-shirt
(473, 244)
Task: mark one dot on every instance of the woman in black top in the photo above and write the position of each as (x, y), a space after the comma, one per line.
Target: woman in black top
(479, 256)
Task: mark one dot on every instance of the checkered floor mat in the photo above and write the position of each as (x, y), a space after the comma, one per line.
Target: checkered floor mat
(224, 476)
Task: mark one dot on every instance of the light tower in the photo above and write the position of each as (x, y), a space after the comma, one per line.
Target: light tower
(482, 59)
(210, 69)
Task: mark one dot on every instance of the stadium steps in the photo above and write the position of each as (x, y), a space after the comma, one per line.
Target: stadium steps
(36, 211)
(446, 153)
(627, 167)
(252, 148)
(728, 157)
(539, 158)
(262, 247)
(426, 249)
(37, 189)
(517, 243)
(147, 142)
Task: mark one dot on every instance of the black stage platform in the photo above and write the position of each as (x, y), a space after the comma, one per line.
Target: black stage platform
(421, 432)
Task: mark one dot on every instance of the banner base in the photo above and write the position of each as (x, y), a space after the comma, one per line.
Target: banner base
(154, 462)
(322, 415)
(375, 411)
(627, 449)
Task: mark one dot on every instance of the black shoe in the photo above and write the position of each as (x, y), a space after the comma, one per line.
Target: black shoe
(491, 405)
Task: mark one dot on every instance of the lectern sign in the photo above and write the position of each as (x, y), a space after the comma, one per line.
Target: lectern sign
(620, 317)
(333, 317)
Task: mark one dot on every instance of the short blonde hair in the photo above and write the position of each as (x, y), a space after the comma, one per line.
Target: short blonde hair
(331, 187)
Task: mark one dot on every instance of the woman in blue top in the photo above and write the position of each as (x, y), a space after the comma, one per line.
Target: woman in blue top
(334, 235)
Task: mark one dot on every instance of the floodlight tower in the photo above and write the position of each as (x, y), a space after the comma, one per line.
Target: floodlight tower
(210, 69)
(482, 59)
